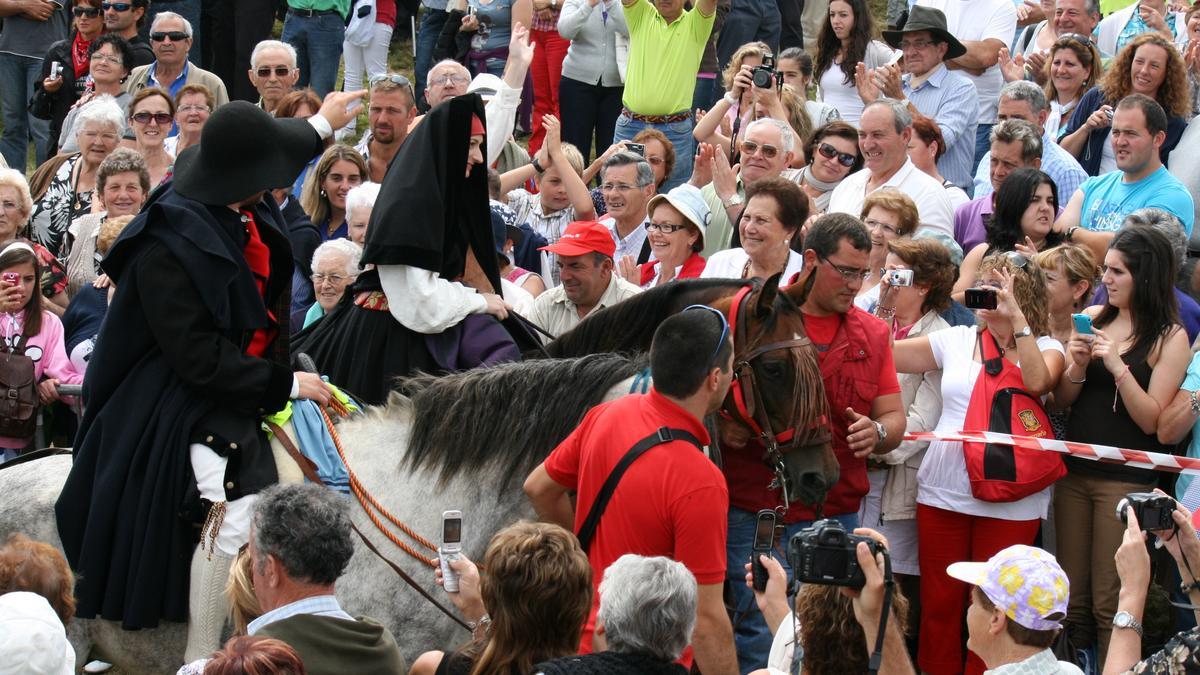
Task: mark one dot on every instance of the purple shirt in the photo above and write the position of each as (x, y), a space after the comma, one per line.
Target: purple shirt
(968, 222)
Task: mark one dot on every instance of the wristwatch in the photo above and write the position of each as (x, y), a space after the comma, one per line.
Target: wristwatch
(1026, 332)
(880, 430)
(1123, 619)
(735, 200)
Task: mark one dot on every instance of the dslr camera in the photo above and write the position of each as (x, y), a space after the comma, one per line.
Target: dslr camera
(1153, 510)
(765, 76)
(824, 553)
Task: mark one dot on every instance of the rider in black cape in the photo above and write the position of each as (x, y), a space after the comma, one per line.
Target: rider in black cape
(431, 301)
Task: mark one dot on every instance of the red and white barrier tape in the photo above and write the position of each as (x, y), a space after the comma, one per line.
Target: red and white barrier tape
(1099, 453)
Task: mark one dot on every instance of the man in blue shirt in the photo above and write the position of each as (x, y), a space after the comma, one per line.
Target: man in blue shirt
(1100, 205)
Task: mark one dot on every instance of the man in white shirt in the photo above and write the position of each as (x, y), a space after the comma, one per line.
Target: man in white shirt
(627, 188)
(984, 27)
(883, 135)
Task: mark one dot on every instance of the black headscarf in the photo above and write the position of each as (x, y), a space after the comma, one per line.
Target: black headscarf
(428, 212)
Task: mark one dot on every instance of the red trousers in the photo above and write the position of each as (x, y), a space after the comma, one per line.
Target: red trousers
(546, 71)
(948, 537)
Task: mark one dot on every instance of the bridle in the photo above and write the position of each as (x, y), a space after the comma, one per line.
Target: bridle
(807, 424)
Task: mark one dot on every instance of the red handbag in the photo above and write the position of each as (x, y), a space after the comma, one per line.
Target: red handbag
(999, 402)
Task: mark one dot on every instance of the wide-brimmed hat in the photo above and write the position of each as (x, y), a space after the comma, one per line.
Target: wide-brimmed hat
(582, 237)
(689, 202)
(927, 19)
(243, 150)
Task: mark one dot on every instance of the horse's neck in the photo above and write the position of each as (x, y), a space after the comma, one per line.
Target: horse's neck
(628, 386)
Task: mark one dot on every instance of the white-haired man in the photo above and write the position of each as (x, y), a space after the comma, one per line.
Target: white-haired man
(273, 72)
(171, 40)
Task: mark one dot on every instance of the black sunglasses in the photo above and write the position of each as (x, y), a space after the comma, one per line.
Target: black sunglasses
(712, 360)
(829, 152)
(280, 71)
(117, 6)
(161, 118)
(175, 35)
(90, 12)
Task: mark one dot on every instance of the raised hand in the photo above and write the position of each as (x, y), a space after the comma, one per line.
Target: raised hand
(1012, 67)
(702, 165)
(864, 80)
(519, 45)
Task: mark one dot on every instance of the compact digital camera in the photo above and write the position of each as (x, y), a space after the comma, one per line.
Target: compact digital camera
(1153, 510)
(899, 277)
(824, 553)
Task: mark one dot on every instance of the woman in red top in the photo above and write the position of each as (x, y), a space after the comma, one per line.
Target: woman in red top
(676, 229)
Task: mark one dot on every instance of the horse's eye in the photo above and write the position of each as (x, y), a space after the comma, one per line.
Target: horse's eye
(773, 369)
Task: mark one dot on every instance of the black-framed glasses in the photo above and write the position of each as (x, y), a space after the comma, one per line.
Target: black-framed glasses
(829, 152)
(89, 12)
(175, 35)
(665, 228)
(280, 71)
(712, 360)
(750, 147)
(117, 6)
(848, 273)
(160, 118)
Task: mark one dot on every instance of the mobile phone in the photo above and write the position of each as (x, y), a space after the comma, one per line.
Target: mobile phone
(981, 298)
(900, 277)
(1083, 324)
(1109, 112)
(636, 148)
(11, 278)
(764, 544)
(451, 548)
(55, 69)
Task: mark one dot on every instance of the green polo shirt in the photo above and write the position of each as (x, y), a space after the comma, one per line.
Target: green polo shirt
(663, 59)
(342, 6)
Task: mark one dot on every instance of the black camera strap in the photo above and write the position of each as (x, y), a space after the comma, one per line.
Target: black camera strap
(664, 435)
(888, 584)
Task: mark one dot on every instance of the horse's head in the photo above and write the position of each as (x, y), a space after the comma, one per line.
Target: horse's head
(777, 392)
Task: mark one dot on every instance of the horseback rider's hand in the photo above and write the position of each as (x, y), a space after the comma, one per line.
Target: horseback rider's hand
(496, 306)
(340, 107)
(468, 599)
(313, 388)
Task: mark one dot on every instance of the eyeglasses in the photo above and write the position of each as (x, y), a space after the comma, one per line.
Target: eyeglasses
(1074, 37)
(916, 44)
(849, 274)
(117, 6)
(655, 161)
(712, 360)
(115, 60)
(335, 279)
(619, 187)
(393, 78)
(829, 152)
(665, 228)
(194, 107)
(90, 12)
(872, 224)
(449, 79)
(175, 35)
(751, 148)
(102, 135)
(280, 71)
(160, 118)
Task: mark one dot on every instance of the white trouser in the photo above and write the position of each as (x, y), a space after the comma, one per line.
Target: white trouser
(234, 529)
(372, 59)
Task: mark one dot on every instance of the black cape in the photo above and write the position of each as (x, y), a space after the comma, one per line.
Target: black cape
(170, 369)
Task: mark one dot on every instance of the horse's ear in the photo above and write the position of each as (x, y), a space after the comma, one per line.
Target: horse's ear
(798, 292)
(766, 297)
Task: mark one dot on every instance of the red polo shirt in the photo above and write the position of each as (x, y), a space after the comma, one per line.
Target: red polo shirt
(857, 367)
(671, 502)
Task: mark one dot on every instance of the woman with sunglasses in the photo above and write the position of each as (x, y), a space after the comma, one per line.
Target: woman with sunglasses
(775, 210)
(1025, 208)
(110, 58)
(1121, 374)
(151, 116)
(54, 96)
(832, 155)
(1072, 66)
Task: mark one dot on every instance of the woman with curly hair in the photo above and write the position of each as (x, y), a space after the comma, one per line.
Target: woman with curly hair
(847, 38)
(1148, 65)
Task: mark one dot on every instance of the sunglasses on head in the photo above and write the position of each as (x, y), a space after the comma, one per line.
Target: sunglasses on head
(829, 152)
(280, 71)
(90, 12)
(175, 35)
(117, 6)
(161, 118)
(1074, 37)
(750, 147)
(712, 360)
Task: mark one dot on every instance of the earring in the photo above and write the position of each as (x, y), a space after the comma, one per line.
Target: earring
(323, 193)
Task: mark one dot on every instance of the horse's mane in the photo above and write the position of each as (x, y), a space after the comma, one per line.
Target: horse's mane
(628, 326)
(507, 417)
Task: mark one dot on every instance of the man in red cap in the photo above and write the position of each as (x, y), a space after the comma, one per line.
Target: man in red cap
(585, 267)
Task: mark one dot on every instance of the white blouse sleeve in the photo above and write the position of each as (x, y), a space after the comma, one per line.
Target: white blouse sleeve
(424, 302)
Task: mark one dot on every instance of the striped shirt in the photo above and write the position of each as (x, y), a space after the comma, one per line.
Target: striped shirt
(949, 99)
(528, 208)
(1057, 163)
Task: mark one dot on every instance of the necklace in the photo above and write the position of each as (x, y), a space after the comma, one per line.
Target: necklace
(746, 267)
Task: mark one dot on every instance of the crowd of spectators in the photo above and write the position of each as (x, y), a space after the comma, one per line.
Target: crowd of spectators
(899, 166)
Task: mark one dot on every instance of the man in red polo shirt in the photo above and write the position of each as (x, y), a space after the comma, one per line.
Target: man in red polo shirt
(864, 401)
(672, 500)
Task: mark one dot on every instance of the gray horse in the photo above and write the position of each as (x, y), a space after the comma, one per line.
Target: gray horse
(464, 441)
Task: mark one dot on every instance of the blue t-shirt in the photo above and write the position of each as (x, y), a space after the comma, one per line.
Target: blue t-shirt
(1107, 199)
(1191, 383)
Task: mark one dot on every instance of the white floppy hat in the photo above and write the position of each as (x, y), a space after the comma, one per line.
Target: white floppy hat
(32, 638)
(689, 201)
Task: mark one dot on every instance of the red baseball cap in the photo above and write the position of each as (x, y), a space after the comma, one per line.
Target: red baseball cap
(582, 237)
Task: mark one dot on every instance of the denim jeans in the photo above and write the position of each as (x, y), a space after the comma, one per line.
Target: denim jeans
(680, 135)
(432, 22)
(17, 75)
(188, 9)
(708, 92)
(752, 637)
(318, 42)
